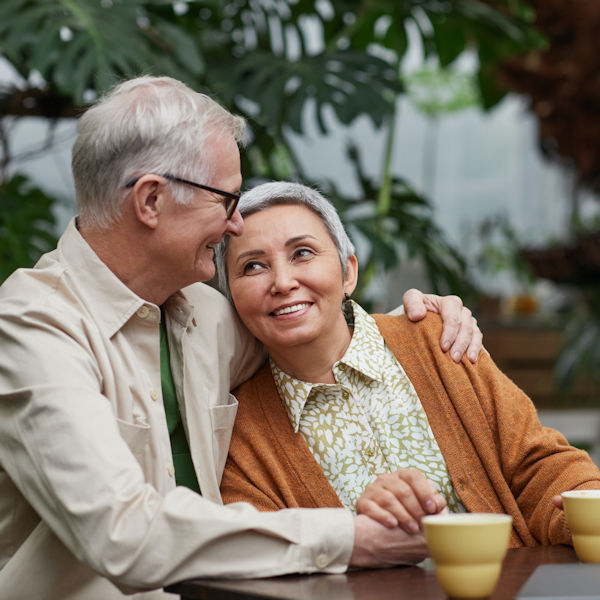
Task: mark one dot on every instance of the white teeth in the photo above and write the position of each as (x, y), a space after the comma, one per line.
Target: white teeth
(291, 309)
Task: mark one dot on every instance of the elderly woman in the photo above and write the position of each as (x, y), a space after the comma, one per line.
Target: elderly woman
(366, 411)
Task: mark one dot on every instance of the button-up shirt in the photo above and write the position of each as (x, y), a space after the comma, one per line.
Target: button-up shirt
(88, 502)
(369, 422)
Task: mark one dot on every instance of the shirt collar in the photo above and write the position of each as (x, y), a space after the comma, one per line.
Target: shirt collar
(364, 354)
(366, 351)
(111, 302)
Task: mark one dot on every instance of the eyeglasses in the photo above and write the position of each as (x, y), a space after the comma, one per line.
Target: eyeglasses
(230, 199)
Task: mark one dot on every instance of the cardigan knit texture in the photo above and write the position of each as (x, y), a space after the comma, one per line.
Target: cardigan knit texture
(500, 458)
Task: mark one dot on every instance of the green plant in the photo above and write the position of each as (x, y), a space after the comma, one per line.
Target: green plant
(580, 353)
(406, 229)
(501, 250)
(26, 224)
(276, 62)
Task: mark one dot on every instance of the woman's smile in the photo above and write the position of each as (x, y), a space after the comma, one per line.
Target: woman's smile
(286, 280)
(294, 309)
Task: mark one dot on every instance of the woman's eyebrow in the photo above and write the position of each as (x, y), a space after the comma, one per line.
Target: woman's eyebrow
(249, 253)
(291, 241)
(299, 238)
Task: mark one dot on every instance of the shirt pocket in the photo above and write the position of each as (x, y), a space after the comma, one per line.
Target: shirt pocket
(137, 437)
(222, 419)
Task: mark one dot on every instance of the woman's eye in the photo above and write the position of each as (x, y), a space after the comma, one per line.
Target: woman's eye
(252, 267)
(303, 253)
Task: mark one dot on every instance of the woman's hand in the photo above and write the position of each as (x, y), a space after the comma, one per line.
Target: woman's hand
(401, 499)
(460, 332)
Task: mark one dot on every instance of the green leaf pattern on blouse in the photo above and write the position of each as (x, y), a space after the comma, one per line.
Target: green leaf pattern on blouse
(368, 423)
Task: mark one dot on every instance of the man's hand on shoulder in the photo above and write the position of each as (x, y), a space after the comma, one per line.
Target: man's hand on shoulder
(460, 332)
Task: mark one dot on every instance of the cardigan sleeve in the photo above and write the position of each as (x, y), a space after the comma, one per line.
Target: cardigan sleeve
(498, 454)
(537, 461)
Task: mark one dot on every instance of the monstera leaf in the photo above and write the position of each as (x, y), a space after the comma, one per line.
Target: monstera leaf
(350, 83)
(79, 45)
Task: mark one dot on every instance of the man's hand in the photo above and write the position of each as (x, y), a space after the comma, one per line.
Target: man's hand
(379, 546)
(558, 502)
(401, 499)
(460, 333)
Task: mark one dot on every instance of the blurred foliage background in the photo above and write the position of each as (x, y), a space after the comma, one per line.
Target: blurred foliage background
(284, 63)
(273, 62)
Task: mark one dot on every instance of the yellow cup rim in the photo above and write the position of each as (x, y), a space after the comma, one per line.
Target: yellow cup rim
(467, 519)
(591, 494)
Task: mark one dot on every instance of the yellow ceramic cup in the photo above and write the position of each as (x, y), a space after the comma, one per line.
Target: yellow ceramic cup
(583, 514)
(468, 549)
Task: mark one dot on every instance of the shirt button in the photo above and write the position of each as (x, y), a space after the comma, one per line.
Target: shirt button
(154, 394)
(143, 312)
(371, 451)
(171, 470)
(345, 395)
(321, 561)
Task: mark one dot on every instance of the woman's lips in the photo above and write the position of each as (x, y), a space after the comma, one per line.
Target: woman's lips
(286, 310)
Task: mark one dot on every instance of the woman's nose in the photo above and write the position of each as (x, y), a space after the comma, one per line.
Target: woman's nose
(284, 280)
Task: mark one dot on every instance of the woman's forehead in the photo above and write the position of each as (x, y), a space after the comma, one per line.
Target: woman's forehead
(288, 217)
(277, 226)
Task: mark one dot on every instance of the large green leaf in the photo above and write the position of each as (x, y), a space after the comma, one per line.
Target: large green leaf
(77, 45)
(352, 83)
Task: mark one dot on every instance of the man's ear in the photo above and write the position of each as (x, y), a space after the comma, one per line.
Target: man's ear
(351, 278)
(148, 197)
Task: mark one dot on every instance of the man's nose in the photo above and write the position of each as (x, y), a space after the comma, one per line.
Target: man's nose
(235, 225)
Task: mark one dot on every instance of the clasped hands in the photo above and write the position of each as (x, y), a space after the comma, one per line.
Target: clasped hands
(388, 522)
(388, 526)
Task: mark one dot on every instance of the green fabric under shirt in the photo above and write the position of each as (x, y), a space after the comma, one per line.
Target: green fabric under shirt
(182, 459)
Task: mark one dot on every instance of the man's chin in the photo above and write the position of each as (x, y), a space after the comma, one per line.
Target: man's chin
(206, 273)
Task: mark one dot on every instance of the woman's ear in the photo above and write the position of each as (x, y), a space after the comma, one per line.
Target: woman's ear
(147, 196)
(351, 277)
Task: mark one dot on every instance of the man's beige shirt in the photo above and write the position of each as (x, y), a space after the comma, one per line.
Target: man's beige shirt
(88, 503)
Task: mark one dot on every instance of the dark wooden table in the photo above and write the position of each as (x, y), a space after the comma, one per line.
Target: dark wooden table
(401, 583)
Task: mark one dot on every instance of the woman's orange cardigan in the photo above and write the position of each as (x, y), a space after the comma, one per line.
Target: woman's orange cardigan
(499, 456)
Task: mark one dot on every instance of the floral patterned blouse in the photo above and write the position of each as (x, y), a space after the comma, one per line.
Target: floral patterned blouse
(367, 423)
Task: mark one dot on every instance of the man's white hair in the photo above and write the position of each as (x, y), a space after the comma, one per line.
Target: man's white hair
(145, 125)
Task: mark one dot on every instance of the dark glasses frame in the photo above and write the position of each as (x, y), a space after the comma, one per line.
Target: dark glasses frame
(230, 199)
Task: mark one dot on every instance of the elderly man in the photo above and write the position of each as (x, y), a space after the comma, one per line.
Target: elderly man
(116, 369)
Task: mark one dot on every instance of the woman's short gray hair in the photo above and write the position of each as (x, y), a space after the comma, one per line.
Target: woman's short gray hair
(284, 192)
(144, 125)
